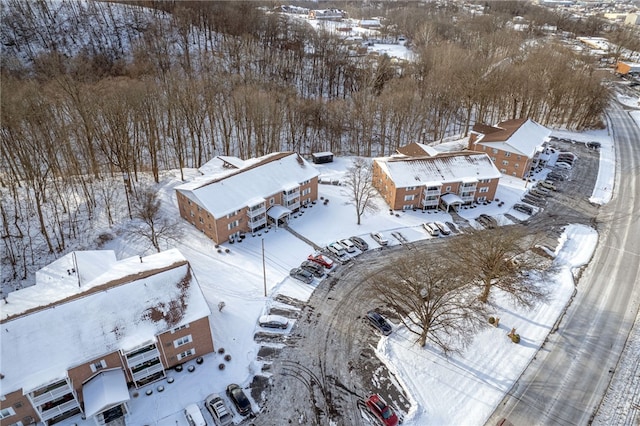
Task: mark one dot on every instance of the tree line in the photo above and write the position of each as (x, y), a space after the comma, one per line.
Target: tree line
(97, 97)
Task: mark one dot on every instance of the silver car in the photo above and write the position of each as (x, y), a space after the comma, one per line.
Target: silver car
(218, 410)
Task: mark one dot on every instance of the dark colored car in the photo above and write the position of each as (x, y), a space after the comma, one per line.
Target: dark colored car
(382, 411)
(313, 267)
(239, 399)
(360, 243)
(379, 322)
(301, 275)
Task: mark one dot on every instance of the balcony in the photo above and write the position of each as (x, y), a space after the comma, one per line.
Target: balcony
(291, 195)
(293, 205)
(257, 222)
(257, 210)
(50, 393)
(146, 372)
(467, 198)
(142, 357)
(430, 192)
(430, 202)
(59, 409)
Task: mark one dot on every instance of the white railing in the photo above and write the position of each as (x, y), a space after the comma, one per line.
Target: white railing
(59, 409)
(143, 357)
(290, 195)
(256, 211)
(293, 206)
(149, 371)
(253, 224)
(51, 395)
(430, 202)
(467, 198)
(428, 192)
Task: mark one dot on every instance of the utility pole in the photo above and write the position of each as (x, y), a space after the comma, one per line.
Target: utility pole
(264, 270)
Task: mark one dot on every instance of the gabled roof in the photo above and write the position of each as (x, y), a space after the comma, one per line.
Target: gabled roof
(520, 136)
(127, 305)
(104, 390)
(226, 191)
(416, 149)
(444, 168)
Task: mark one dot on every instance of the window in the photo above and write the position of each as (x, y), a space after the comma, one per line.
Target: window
(232, 214)
(484, 189)
(493, 159)
(505, 163)
(503, 170)
(411, 188)
(182, 327)
(517, 166)
(306, 191)
(481, 199)
(306, 182)
(200, 219)
(494, 151)
(409, 197)
(98, 365)
(519, 157)
(186, 353)
(189, 201)
(182, 341)
(448, 188)
(6, 412)
(407, 207)
(271, 201)
(507, 154)
(192, 214)
(233, 224)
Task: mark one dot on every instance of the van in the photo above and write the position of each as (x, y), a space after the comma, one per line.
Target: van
(432, 229)
(194, 416)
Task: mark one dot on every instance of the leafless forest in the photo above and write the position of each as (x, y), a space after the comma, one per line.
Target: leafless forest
(99, 98)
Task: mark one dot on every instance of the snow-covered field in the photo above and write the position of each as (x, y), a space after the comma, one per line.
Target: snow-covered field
(462, 389)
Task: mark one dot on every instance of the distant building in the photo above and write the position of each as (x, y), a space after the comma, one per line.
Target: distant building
(370, 23)
(235, 196)
(512, 145)
(93, 326)
(419, 177)
(328, 14)
(624, 68)
(632, 19)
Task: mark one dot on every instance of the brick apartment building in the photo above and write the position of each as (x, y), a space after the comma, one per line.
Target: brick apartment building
(512, 145)
(235, 196)
(91, 328)
(421, 178)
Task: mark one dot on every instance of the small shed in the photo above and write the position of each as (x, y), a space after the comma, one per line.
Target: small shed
(322, 157)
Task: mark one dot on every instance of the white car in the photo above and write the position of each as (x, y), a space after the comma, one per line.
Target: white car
(379, 238)
(194, 416)
(348, 245)
(218, 410)
(432, 229)
(444, 229)
(337, 249)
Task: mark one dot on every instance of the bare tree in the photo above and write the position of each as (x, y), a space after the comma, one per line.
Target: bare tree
(359, 183)
(502, 258)
(432, 299)
(152, 225)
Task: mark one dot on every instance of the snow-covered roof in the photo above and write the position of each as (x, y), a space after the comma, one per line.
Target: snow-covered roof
(520, 136)
(225, 191)
(450, 167)
(104, 390)
(128, 304)
(416, 149)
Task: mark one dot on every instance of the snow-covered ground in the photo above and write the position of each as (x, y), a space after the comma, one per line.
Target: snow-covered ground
(462, 389)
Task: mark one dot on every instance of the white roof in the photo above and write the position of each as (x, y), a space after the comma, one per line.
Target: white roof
(443, 169)
(277, 211)
(450, 199)
(227, 191)
(40, 346)
(104, 390)
(524, 141)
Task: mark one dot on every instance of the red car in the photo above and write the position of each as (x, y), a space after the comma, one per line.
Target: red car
(321, 260)
(382, 411)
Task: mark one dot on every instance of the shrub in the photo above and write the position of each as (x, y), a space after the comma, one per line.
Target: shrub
(492, 320)
(515, 338)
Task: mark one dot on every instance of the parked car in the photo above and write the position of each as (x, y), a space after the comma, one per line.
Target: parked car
(218, 410)
(594, 145)
(563, 166)
(239, 399)
(382, 410)
(444, 229)
(547, 185)
(431, 228)
(348, 245)
(537, 193)
(313, 267)
(487, 221)
(194, 416)
(523, 208)
(301, 275)
(360, 243)
(379, 238)
(337, 249)
(379, 322)
(556, 176)
(273, 321)
(321, 259)
(542, 190)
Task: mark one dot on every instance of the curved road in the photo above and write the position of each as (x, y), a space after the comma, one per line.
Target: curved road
(570, 375)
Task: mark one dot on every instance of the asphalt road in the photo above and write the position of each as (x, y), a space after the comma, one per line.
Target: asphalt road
(570, 375)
